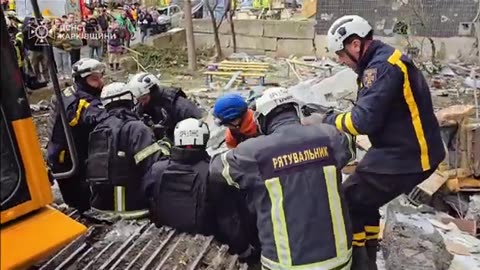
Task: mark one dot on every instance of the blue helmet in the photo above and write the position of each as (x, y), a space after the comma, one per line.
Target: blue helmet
(229, 107)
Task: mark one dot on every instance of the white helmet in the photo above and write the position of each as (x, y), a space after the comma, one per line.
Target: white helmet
(343, 28)
(191, 131)
(115, 92)
(86, 66)
(141, 83)
(271, 99)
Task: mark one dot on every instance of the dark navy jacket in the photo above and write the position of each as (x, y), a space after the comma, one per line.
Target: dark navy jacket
(83, 111)
(174, 101)
(394, 108)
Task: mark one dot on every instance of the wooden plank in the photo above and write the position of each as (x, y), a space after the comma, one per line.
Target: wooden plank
(433, 183)
(243, 68)
(220, 73)
(244, 63)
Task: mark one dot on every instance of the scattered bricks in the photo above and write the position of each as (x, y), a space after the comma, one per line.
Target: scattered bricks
(289, 29)
(411, 242)
(300, 47)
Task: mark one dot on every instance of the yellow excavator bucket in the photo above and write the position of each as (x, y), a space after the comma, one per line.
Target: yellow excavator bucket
(36, 236)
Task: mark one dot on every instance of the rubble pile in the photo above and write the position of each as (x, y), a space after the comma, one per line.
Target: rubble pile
(151, 57)
(435, 227)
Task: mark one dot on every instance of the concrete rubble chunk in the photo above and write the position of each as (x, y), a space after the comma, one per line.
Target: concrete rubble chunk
(411, 242)
(473, 212)
(327, 91)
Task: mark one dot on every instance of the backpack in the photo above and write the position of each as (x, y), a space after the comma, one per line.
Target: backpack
(182, 190)
(107, 163)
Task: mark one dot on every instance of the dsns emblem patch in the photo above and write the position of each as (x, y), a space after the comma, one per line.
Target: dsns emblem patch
(369, 76)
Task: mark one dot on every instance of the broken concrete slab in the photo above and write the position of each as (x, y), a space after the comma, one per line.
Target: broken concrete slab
(248, 27)
(258, 43)
(301, 47)
(174, 38)
(207, 41)
(411, 242)
(327, 91)
(287, 29)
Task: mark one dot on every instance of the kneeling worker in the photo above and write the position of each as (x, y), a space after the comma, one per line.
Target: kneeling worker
(121, 151)
(292, 177)
(183, 196)
(231, 110)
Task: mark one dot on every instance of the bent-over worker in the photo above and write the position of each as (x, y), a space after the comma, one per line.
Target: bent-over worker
(121, 151)
(394, 108)
(292, 176)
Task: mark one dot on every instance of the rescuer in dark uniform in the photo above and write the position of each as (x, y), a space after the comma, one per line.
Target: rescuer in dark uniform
(83, 110)
(292, 176)
(182, 184)
(121, 151)
(166, 106)
(394, 108)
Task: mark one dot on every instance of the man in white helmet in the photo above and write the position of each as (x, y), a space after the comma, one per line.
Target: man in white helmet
(182, 184)
(394, 108)
(165, 105)
(83, 110)
(121, 151)
(292, 177)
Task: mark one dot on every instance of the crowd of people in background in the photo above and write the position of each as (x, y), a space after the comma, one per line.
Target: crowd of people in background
(106, 34)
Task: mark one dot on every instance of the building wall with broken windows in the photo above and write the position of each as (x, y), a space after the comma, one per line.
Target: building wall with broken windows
(433, 18)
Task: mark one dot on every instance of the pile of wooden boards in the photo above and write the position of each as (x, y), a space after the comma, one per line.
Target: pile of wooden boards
(239, 70)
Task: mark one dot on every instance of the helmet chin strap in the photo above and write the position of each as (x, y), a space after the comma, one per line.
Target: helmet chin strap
(360, 54)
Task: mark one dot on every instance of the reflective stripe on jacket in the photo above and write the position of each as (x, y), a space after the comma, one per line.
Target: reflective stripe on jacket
(394, 108)
(293, 178)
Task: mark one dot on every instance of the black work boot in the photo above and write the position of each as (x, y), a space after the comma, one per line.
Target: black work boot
(360, 259)
(111, 67)
(117, 66)
(372, 249)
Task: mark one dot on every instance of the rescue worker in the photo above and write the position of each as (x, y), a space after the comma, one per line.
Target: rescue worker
(17, 40)
(166, 106)
(181, 184)
(121, 151)
(292, 176)
(231, 110)
(83, 110)
(394, 108)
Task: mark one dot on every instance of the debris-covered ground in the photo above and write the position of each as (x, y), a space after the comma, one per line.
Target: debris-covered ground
(441, 233)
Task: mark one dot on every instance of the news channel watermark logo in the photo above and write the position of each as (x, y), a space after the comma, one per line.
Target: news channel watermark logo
(41, 33)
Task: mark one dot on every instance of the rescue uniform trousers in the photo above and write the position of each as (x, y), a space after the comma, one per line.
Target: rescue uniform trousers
(365, 193)
(76, 192)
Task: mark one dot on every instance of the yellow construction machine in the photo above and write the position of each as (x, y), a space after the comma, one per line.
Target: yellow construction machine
(30, 228)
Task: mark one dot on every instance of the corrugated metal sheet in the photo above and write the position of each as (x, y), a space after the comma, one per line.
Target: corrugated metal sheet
(139, 245)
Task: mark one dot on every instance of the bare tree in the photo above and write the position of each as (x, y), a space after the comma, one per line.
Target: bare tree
(192, 57)
(231, 11)
(216, 25)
